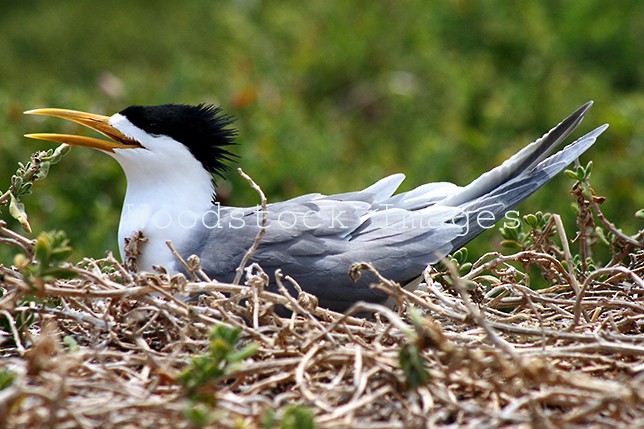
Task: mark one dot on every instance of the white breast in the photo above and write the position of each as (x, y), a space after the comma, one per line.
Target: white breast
(168, 191)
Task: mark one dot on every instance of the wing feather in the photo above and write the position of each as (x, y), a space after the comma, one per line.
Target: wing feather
(316, 238)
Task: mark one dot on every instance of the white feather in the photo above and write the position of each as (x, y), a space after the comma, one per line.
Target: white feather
(168, 191)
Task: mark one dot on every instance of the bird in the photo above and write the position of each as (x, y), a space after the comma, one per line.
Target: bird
(171, 154)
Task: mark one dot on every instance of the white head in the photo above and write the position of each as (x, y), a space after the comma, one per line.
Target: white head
(169, 154)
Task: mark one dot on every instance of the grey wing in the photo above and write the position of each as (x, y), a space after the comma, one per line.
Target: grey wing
(315, 239)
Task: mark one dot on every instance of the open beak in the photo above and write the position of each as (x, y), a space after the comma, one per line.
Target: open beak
(96, 122)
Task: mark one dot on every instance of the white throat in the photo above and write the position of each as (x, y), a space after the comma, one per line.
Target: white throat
(168, 192)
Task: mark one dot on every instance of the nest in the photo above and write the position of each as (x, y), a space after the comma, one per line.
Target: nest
(92, 344)
(113, 349)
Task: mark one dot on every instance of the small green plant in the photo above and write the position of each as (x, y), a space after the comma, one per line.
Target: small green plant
(50, 254)
(21, 321)
(413, 366)
(200, 414)
(581, 175)
(6, 378)
(521, 236)
(459, 259)
(222, 359)
(36, 169)
(293, 417)
(297, 417)
(71, 343)
(410, 356)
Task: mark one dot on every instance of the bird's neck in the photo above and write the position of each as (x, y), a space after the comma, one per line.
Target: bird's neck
(163, 206)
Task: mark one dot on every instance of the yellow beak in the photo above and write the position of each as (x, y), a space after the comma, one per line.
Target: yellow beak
(96, 122)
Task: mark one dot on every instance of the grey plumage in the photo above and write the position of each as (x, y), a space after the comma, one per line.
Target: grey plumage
(316, 238)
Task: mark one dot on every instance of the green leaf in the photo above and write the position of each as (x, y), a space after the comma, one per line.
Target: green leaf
(465, 268)
(589, 169)
(531, 220)
(17, 211)
(16, 182)
(267, 420)
(571, 174)
(244, 353)
(222, 359)
(199, 414)
(297, 417)
(71, 343)
(509, 233)
(460, 256)
(511, 244)
(6, 378)
(42, 249)
(42, 171)
(599, 232)
(25, 189)
(413, 366)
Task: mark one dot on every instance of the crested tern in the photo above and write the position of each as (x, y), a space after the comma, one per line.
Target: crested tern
(169, 154)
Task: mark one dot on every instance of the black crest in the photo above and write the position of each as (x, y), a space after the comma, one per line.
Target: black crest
(203, 129)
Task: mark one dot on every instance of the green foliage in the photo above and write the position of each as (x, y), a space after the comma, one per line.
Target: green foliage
(200, 414)
(268, 419)
(71, 343)
(412, 364)
(297, 417)
(459, 259)
(48, 262)
(51, 252)
(293, 417)
(581, 173)
(410, 356)
(581, 264)
(21, 182)
(222, 359)
(6, 378)
(519, 236)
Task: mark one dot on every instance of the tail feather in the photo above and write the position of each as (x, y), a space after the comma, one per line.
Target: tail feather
(522, 161)
(478, 212)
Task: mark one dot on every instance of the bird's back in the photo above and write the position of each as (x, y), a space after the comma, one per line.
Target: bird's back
(316, 238)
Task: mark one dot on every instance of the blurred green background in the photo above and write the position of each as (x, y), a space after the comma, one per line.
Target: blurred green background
(329, 96)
